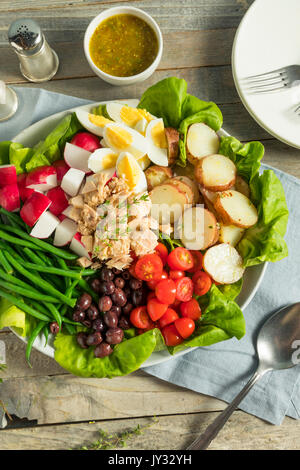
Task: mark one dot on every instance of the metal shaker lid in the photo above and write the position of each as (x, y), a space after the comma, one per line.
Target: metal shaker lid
(25, 36)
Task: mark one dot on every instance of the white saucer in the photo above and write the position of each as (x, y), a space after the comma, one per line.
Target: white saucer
(269, 38)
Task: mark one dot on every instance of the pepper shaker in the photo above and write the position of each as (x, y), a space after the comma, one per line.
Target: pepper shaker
(38, 62)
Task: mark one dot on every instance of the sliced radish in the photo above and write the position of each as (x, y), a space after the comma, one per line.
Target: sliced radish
(236, 209)
(78, 247)
(199, 228)
(223, 263)
(59, 200)
(24, 192)
(215, 172)
(64, 232)
(76, 157)
(72, 180)
(87, 141)
(61, 169)
(34, 206)
(42, 178)
(9, 197)
(45, 226)
(201, 141)
(8, 174)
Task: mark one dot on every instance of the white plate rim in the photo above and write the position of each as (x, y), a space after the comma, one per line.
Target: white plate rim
(159, 356)
(239, 89)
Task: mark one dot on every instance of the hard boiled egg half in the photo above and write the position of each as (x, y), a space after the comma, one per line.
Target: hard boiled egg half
(131, 117)
(157, 142)
(92, 122)
(102, 159)
(128, 168)
(121, 138)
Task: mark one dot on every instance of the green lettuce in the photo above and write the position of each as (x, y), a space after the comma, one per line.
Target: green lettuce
(12, 317)
(127, 356)
(264, 241)
(4, 152)
(19, 156)
(168, 99)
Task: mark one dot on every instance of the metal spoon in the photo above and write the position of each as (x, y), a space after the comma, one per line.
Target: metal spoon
(276, 343)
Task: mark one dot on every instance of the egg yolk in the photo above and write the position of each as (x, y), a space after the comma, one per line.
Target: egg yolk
(109, 160)
(118, 137)
(145, 115)
(158, 135)
(130, 116)
(128, 169)
(100, 121)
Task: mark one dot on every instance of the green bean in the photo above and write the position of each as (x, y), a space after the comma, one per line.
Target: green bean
(32, 339)
(15, 240)
(50, 270)
(33, 256)
(5, 264)
(19, 303)
(27, 293)
(11, 216)
(55, 313)
(69, 322)
(16, 281)
(38, 243)
(39, 281)
(7, 247)
(70, 329)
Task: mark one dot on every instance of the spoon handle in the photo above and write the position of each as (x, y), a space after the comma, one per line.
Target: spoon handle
(203, 441)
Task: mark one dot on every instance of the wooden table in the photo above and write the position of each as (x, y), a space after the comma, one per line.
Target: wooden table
(52, 409)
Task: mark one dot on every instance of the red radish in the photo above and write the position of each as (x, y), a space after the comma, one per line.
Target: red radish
(87, 141)
(62, 217)
(61, 169)
(77, 157)
(24, 192)
(64, 232)
(59, 200)
(45, 226)
(72, 180)
(34, 206)
(9, 197)
(8, 174)
(42, 178)
(78, 247)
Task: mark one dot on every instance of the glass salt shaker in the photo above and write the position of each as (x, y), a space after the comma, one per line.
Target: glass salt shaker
(38, 62)
(8, 102)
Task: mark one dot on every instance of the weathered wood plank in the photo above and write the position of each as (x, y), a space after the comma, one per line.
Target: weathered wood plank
(242, 432)
(200, 49)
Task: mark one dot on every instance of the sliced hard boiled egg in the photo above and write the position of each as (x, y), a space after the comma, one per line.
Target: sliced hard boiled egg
(141, 126)
(128, 168)
(121, 138)
(92, 122)
(102, 159)
(125, 114)
(157, 142)
(144, 162)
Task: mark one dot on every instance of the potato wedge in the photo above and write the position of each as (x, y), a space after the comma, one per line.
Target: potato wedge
(230, 234)
(241, 186)
(201, 140)
(209, 198)
(215, 172)
(192, 184)
(184, 187)
(172, 136)
(199, 228)
(223, 263)
(156, 175)
(236, 209)
(168, 203)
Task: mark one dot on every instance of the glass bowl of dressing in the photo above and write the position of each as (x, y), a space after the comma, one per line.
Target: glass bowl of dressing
(123, 45)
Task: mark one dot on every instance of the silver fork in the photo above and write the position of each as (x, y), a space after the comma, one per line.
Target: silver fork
(275, 80)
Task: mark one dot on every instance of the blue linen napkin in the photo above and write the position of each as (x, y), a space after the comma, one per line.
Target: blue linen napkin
(220, 370)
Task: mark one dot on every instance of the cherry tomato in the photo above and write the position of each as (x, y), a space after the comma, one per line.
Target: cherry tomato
(171, 335)
(152, 284)
(184, 289)
(150, 295)
(156, 309)
(185, 326)
(149, 267)
(190, 309)
(176, 274)
(165, 291)
(140, 318)
(169, 317)
(198, 261)
(162, 251)
(180, 258)
(202, 282)
(152, 325)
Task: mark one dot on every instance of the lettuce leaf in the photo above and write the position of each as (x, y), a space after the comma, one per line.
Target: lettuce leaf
(264, 241)
(127, 356)
(12, 317)
(4, 152)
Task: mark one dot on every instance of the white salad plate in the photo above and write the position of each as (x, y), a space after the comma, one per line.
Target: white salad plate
(252, 277)
(267, 39)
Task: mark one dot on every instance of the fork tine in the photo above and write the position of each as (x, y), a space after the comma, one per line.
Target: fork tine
(267, 85)
(277, 71)
(270, 90)
(264, 80)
